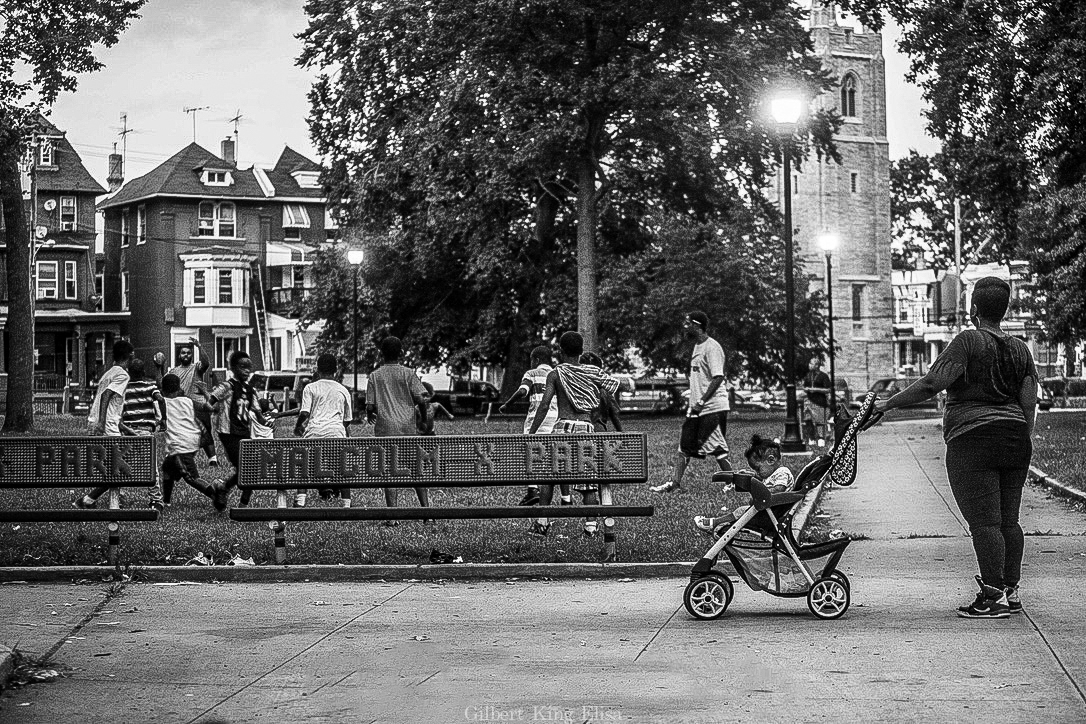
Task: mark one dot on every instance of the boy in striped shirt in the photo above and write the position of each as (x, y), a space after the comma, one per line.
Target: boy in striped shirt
(141, 415)
(532, 385)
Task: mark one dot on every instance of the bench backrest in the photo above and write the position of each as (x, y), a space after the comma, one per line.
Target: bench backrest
(445, 461)
(77, 462)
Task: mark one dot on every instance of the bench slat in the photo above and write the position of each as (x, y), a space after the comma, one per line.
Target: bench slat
(76, 515)
(338, 514)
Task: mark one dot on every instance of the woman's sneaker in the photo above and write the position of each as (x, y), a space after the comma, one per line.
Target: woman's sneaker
(1014, 602)
(990, 602)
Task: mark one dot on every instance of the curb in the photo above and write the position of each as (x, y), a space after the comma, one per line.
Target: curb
(1037, 475)
(345, 573)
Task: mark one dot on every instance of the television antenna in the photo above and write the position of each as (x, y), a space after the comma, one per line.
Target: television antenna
(194, 110)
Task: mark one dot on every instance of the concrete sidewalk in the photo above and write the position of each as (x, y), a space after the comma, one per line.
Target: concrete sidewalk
(591, 650)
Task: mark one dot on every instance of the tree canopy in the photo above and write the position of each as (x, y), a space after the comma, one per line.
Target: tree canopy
(44, 47)
(491, 151)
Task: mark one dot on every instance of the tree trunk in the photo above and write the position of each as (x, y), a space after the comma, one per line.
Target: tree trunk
(19, 416)
(586, 252)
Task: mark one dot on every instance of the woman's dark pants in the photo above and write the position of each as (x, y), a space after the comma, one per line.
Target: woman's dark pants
(987, 467)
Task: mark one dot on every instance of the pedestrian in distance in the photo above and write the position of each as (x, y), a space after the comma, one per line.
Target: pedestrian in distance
(392, 393)
(816, 406)
(184, 431)
(577, 389)
(325, 412)
(427, 411)
(991, 385)
(236, 402)
(532, 385)
(108, 406)
(706, 424)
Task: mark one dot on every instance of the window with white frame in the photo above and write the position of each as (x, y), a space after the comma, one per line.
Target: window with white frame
(100, 290)
(199, 286)
(67, 213)
(126, 228)
(216, 219)
(227, 345)
(124, 290)
(46, 284)
(295, 218)
(141, 225)
(45, 153)
(226, 286)
(70, 286)
(217, 178)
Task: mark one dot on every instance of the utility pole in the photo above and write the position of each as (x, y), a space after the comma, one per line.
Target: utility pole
(194, 110)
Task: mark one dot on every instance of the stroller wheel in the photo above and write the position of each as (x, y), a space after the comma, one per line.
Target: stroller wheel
(708, 597)
(840, 576)
(828, 598)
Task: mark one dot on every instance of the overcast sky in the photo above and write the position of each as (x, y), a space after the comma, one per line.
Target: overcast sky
(233, 55)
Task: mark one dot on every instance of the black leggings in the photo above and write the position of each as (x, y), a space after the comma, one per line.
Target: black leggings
(987, 467)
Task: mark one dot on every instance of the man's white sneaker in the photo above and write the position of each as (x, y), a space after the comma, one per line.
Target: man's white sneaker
(668, 486)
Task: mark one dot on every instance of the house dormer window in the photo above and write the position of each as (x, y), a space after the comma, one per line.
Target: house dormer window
(217, 178)
(216, 219)
(295, 218)
(307, 179)
(45, 153)
(848, 96)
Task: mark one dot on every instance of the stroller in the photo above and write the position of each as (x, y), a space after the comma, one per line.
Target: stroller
(762, 548)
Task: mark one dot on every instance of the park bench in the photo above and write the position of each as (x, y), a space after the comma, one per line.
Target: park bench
(440, 462)
(79, 462)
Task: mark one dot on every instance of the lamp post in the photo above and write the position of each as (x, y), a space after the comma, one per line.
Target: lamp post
(355, 257)
(829, 242)
(786, 108)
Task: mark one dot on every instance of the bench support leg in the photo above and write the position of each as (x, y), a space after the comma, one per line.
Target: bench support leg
(280, 529)
(114, 529)
(609, 554)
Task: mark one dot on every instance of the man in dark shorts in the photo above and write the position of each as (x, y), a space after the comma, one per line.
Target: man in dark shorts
(816, 408)
(707, 418)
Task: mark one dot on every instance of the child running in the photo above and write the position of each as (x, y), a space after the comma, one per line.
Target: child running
(239, 405)
(141, 416)
(425, 412)
(184, 432)
(764, 456)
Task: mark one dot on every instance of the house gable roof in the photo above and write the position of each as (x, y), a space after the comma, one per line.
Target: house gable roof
(179, 175)
(285, 184)
(70, 174)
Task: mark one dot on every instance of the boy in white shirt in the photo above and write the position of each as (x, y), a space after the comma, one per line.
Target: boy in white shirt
(108, 406)
(183, 434)
(325, 412)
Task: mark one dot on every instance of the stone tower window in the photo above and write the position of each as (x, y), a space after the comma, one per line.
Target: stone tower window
(848, 96)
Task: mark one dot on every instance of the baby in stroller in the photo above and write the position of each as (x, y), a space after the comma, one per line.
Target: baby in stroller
(764, 457)
(758, 541)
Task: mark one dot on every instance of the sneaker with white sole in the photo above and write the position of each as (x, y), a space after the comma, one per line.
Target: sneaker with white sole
(668, 486)
(706, 524)
(1014, 601)
(84, 502)
(990, 602)
(345, 502)
(299, 500)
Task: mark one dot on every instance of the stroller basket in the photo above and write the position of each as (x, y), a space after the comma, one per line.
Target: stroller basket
(766, 566)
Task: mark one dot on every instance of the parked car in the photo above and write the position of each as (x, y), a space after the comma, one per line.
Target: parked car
(467, 397)
(652, 395)
(284, 388)
(1044, 398)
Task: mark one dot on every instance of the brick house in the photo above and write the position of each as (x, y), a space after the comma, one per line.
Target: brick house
(200, 248)
(72, 332)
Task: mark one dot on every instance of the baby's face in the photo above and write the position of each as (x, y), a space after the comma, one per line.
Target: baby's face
(765, 466)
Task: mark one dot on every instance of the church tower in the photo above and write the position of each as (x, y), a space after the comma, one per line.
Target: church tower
(851, 199)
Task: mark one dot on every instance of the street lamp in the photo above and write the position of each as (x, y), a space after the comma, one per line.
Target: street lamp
(355, 257)
(787, 107)
(829, 241)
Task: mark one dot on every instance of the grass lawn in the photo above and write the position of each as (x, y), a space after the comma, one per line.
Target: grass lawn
(1059, 447)
(191, 526)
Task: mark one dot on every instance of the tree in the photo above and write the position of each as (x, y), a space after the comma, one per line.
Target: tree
(482, 134)
(1005, 81)
(45, 46)
(731, 271)
(922, 216)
